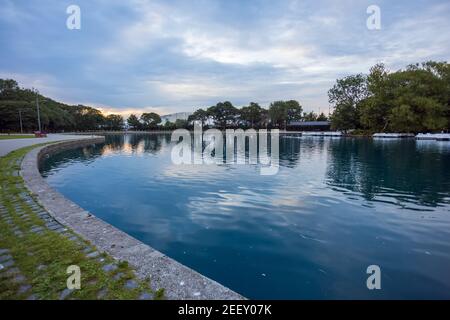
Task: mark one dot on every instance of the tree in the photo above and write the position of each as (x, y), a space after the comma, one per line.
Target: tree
(293, 111)
(410, 100)
(322, 117)
(252, 114)
(350, 90)
(55, 116)
(114, 122)
(414, 114)
(169, 126)
(311, 116)
(374, 114)
(134, 122)
(223, 114)
(433, 114)
(344, 117)
(86, 118)
(181, 124)
(8, 85)
(414, 99)
(199, 115)
(347, 96)
(277, 113)
(402, 118)
(9, 115)
(150, 120)
(424, 92)
(283, 112)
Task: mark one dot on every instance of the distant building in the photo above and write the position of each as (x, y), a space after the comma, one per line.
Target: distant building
(175, 116)
(310, 125)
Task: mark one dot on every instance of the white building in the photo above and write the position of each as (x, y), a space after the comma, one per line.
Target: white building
(174, 117)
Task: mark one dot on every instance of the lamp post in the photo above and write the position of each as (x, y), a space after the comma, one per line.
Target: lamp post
(37, 108)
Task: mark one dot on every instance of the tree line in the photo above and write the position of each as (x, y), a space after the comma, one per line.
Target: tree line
(414, 99)
(280, 114)
(18, 103)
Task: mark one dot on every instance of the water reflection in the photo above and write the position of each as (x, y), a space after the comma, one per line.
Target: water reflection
(400, 171)
(335, 207)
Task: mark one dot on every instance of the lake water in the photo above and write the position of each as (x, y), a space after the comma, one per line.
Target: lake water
(335, 207)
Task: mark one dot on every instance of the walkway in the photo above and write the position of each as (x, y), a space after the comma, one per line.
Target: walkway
(6, 146)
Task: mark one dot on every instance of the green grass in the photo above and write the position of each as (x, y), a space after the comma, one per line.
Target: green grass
(53, 250)
(15, 136)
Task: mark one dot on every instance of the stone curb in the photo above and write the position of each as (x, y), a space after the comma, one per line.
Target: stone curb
(178, 281)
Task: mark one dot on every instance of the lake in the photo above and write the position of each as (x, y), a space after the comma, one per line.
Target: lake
(335, 207)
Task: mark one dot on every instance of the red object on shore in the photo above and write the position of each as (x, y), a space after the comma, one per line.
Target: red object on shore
(39, 134)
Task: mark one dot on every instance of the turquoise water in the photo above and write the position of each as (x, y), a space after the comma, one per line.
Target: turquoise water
(335, 207)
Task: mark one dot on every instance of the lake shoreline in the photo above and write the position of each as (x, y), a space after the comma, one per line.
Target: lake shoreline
(178, 281)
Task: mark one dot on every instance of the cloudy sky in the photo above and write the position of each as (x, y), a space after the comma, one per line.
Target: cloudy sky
(178, 55)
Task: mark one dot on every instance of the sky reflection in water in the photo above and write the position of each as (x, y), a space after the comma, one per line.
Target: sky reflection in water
(335, 207)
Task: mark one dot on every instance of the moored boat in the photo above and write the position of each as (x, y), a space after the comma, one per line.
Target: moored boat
(392, 135)
(434, 136)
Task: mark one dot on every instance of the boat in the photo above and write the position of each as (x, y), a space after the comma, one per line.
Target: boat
(434, 136)
(392, 135)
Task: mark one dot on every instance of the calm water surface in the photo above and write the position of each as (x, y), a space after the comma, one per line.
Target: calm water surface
(310, 232)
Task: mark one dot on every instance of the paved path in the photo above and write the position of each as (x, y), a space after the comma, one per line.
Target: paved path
(6, 146)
